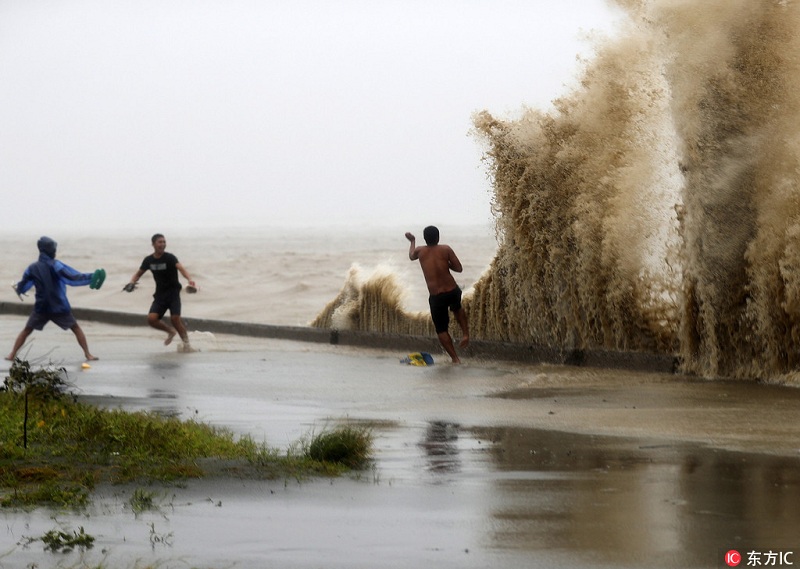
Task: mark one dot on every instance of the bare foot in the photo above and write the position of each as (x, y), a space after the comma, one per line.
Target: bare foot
(464, 342)
(170, 336)
(10, 358)
(91, 358)
(456, 361)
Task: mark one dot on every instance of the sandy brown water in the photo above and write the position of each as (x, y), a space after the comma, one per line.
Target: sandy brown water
(484, 465)
(267, 275)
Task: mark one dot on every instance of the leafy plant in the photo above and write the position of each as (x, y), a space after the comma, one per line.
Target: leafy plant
(142, 500)
(45, 384)
(57, 540)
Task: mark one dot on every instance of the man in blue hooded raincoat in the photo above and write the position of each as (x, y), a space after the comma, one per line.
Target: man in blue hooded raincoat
(50, 277)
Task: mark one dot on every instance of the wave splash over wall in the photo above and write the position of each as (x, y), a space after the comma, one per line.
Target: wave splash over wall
(656, 207)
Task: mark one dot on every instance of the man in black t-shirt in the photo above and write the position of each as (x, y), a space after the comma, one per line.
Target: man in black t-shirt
(165, 267)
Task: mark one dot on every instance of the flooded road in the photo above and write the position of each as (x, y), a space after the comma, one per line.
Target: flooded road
(483, 465)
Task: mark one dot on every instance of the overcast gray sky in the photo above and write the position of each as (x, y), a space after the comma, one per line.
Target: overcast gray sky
(189, 113)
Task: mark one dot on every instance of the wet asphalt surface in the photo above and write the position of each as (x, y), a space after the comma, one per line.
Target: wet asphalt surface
(481, 465)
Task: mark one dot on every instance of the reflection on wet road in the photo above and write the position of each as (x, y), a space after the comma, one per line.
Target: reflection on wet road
(622, 501)
(474, 467)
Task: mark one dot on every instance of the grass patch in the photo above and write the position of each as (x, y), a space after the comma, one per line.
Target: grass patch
(54, 450)
(347, 446)
(142, 500)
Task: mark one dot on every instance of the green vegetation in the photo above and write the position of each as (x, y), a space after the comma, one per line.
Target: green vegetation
(142, 500)
(64, 542)
(347, 446)
(43, 384)
(54, 450)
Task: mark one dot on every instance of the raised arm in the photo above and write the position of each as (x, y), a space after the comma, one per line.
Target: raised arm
(71, 276)
(413, 253)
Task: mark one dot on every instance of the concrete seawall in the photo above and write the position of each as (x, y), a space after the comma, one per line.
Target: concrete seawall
(479, 349)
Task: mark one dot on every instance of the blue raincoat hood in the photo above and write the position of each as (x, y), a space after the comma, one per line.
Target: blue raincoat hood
(47, 246)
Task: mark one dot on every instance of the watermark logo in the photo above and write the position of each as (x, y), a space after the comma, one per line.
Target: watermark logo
(733, 558)
(753, 558)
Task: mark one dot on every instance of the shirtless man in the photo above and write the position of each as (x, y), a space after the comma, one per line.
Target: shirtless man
(437, 261)
(165, 267)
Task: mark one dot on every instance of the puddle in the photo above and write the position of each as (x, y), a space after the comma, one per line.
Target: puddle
(475, 467)
(444, 495)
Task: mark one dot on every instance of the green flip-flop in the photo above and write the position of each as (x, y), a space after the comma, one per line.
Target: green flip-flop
(98, 278)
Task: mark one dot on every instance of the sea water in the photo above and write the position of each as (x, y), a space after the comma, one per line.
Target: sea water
(263, 275)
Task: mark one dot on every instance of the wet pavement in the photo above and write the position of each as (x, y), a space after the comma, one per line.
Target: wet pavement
(482, 465)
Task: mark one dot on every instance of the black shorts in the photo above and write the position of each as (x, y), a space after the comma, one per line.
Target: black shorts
(64, 320)
(166, 301)
(439, 304)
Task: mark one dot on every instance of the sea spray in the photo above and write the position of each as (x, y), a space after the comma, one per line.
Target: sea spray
(657, 206)
(372, 303)
(583, 214)
(733, 71)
